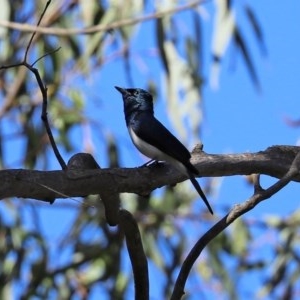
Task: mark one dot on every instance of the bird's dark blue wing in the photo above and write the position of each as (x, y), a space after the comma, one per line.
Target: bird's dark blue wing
(149, 129)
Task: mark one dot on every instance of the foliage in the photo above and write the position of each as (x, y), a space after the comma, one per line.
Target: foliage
(89, 258)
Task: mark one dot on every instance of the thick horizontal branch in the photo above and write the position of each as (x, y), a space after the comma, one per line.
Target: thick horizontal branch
(48, 185)
(274, 161)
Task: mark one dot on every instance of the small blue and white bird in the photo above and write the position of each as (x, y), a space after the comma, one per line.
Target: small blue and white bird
(152, 138)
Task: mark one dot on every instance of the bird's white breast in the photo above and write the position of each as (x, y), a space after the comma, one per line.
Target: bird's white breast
(153, 152)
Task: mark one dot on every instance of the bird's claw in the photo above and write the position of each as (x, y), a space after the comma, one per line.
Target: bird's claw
(151, 163)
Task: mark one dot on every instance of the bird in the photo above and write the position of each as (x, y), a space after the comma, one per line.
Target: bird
(152, 138)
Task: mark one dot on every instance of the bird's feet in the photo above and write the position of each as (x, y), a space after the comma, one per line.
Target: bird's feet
(151, 163)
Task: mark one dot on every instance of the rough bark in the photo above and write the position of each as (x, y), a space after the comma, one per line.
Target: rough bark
(49, 185)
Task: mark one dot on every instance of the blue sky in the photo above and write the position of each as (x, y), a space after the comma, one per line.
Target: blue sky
(239, 119)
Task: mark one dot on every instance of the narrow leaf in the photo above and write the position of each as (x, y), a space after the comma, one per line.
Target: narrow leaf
(257, 29)
(160, 37)
(240, 43)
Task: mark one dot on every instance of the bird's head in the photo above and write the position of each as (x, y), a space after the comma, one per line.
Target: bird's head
(136, 99)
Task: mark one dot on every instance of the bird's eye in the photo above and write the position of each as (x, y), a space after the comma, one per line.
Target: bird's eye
(135, 93)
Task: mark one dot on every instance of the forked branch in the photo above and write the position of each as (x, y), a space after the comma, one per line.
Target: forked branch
(238, 210)
(42, 88)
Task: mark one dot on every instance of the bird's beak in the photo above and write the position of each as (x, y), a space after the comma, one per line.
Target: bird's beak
(121, 90)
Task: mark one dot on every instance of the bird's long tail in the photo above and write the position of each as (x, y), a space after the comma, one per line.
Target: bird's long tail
(199, 190)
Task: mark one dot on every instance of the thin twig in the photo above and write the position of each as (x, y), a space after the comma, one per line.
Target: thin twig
(46, 54)
(44, 115)
(42, 87)
(34, 33)
(98, 28)
(237, 211)
(64, 196)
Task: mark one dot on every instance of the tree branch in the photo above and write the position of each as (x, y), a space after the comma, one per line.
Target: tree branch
(98, 28)
(237, 211)
(49, 185)
(42, 87)
(136, 253)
